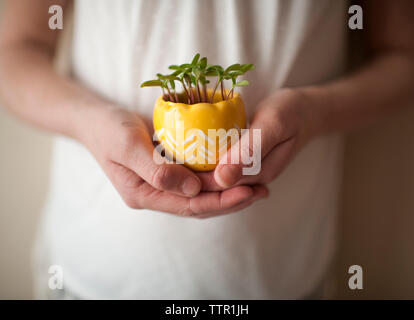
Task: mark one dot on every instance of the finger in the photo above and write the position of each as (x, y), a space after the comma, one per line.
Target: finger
(205, 202)
(271, 167)
(272, 164)
(138, 194)
(259, 191)
(270, 134)
(154, 169)
(125, 181)
(208, 183)
(208, 202)
(235, 209)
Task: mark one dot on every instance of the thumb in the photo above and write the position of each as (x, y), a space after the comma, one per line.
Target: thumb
(229, 169)
(153, 168)
(254, 144)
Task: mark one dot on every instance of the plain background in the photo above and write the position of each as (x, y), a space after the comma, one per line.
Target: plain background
(377, 208)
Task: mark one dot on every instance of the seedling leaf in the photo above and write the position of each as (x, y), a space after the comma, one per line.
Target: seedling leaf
(152, 83)
(242, 83)
(195, 59)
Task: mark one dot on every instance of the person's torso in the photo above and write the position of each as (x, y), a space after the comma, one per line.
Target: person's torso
(277, 248)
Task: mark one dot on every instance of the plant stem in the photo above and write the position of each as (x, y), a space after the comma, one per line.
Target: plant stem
(191, 92)
(198, 93)
(205, 92)
(230, 94)
(186, 92)
(222, 90)
(214, 90)
(176, 96)
(165, 95)
(170, 95)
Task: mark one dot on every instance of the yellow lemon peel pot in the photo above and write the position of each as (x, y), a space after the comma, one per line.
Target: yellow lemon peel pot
(183, 129)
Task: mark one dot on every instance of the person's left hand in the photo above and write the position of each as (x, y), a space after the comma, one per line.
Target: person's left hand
(286, 123)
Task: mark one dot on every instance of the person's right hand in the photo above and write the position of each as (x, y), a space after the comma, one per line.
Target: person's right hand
(121, 143)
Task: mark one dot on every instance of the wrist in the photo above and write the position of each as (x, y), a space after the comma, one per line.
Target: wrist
(316, 105)
(87, 118)
(300, 112)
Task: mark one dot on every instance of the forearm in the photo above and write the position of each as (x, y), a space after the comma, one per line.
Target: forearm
(30, 88)
(380, 87)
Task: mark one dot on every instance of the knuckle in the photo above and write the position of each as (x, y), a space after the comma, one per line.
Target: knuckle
(161, 177)
(129, 142)
(247, 151)
(130, 137)
(131, 202)
(187, 211)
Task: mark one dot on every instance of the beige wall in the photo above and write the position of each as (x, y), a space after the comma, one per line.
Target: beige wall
(377, 229)
(378, 209)
(24, 161)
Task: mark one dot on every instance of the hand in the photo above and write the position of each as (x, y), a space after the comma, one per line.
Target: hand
(122, 145)
(286, 125)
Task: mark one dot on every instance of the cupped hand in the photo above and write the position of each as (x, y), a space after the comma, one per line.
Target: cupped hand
(286, 124)
(121, 143)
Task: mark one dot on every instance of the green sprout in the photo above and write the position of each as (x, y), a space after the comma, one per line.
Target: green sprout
(154, 83)
(193, 78)
(220, 77)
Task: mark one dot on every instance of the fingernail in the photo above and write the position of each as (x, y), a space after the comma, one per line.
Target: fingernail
(190, 186)
(229, 175)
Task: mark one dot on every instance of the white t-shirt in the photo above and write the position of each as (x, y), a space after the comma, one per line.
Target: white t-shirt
(277, 248)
